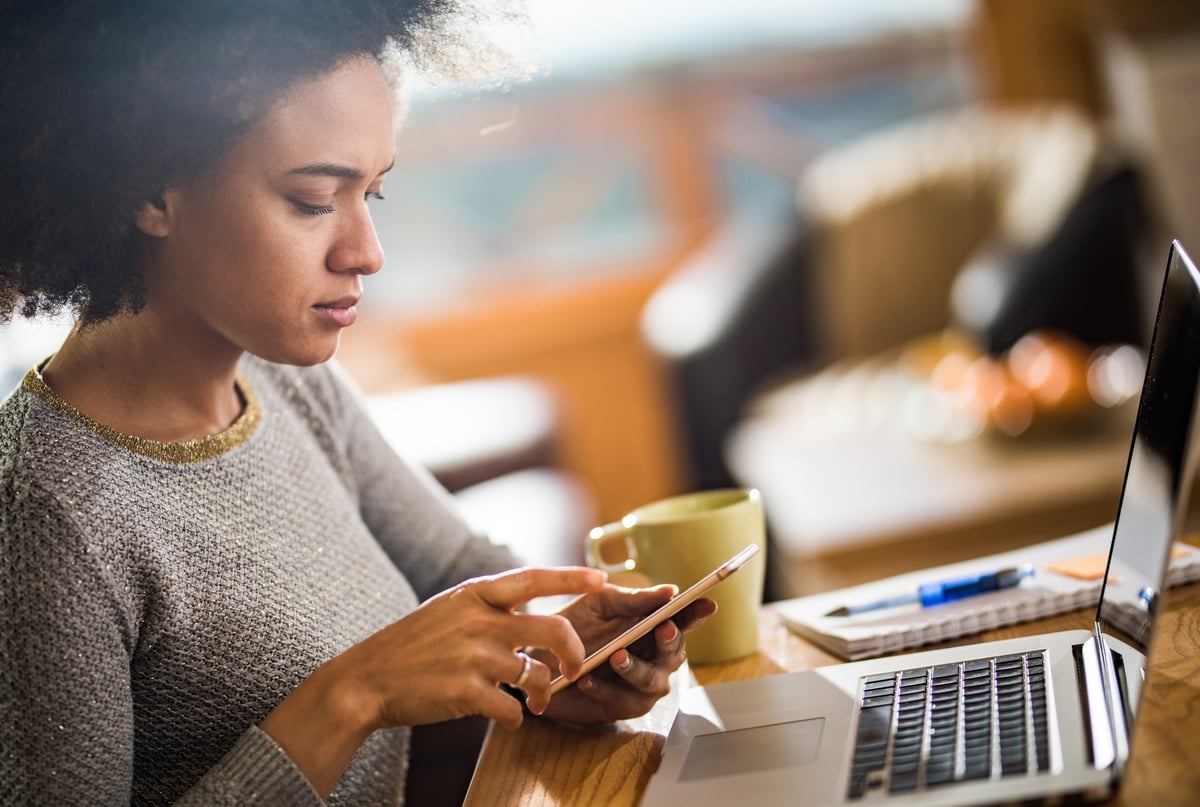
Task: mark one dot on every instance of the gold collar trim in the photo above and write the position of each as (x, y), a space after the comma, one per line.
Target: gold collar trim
(181, 452)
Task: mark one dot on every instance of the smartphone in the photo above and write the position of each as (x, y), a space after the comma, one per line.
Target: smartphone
(655, 618)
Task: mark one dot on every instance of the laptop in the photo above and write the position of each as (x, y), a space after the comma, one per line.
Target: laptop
(1036, 718)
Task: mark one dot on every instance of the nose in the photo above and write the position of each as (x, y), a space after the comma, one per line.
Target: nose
(357, 248)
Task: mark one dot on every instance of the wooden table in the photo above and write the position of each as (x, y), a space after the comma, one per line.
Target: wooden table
(548, 764)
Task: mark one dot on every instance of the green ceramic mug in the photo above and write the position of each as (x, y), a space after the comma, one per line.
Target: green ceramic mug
(681, 539)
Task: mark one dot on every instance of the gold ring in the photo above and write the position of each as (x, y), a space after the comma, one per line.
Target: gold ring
(524, 676)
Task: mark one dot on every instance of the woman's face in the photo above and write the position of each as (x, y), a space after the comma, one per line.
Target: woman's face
(266, 253)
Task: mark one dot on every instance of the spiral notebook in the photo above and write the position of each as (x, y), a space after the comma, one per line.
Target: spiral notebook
(1067, 576)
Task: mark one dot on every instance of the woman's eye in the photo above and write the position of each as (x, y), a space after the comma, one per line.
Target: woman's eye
(374, 196)
(312, 210)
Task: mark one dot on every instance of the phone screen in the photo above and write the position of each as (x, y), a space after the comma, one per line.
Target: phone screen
(656, 617)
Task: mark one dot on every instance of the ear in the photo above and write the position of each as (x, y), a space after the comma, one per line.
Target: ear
(152, 219)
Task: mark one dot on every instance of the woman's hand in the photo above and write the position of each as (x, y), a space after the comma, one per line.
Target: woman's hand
(633, 679)
(444, 660)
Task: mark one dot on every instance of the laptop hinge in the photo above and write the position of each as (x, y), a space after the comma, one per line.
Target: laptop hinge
(1104, 699)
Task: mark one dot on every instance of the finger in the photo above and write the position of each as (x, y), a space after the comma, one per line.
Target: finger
(669, 639)
(526, 670)
(498, 705)
(651, 679)
(616, 700)
(635, 602)
(537, 688)
(511, 668)
(511, 590)
(535, 683)
(551, 632)
(695, 614)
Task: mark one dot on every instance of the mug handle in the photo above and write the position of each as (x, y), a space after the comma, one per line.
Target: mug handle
(599, 537)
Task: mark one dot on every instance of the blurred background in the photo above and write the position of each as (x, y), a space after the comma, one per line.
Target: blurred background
(891, 263)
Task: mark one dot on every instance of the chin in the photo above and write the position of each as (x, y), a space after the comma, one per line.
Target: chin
(306, 356)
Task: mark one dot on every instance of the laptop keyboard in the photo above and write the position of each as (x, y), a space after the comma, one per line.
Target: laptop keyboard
(932, 726)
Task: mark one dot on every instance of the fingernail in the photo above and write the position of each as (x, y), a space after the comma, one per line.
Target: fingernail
(584, 683)
(671, 632)
(624, 662)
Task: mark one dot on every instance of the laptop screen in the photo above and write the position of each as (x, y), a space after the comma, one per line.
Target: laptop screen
(1159, 475)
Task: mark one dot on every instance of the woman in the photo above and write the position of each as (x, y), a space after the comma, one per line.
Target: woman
(218, 584)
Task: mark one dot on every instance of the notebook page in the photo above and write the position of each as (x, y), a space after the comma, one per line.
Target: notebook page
(1066, 578)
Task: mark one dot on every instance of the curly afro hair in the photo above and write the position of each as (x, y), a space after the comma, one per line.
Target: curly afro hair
(106, 103)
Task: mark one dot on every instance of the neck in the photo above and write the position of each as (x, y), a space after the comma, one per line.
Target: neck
(135, 376)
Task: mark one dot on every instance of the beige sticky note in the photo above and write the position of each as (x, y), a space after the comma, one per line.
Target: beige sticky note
(1088, 567)
(1091, 567)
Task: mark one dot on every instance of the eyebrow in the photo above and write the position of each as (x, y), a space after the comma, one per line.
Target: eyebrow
(335, 170)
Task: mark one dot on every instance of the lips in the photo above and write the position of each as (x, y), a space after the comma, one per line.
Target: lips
(341, 312)
(349, 301)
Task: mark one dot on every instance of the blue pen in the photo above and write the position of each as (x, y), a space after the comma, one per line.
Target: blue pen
(946, 591)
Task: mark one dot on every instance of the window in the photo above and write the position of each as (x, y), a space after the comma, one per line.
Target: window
(655, 122)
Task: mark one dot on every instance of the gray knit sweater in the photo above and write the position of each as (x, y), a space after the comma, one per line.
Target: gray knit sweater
(158, 599)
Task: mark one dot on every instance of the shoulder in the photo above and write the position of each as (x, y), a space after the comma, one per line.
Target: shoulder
(65, 493)
(34, 442)
(47, 465)
(47, 475)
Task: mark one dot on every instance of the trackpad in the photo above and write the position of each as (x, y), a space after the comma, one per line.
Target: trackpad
(780, 745)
